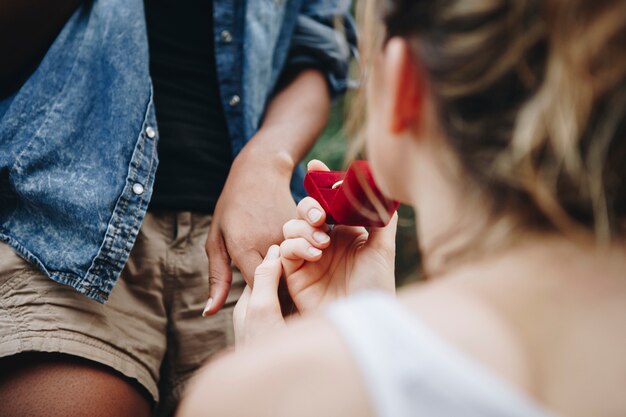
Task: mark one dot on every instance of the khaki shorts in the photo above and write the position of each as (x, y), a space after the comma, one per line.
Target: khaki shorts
(151, 329)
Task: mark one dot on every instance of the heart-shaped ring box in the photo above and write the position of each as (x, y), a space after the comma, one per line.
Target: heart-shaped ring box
(350, 197)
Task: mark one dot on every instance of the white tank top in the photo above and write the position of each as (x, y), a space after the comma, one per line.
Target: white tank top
(409, 371)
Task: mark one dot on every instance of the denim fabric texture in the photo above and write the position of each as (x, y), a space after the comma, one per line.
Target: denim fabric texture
(78, 140)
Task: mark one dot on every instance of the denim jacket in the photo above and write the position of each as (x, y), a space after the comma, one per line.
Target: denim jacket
(78, 149)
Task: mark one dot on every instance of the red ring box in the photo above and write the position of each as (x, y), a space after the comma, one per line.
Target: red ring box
(350, 197)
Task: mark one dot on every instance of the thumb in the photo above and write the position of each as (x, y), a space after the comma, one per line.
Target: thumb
(220, 274)
(266, 279)
(239, 315)
(383, 239)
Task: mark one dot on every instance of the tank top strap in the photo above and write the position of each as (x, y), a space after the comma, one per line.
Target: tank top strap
(410, 371)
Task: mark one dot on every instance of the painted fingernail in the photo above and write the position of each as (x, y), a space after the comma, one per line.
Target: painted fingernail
(314, 215)
(273, 252)
(314, 251)
(209, 303)
(321, 237)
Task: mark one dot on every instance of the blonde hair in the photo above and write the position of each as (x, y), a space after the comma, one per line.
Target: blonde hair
(532, 97)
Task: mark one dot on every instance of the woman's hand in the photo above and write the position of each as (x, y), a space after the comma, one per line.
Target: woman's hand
(321, 265)
(258, 310)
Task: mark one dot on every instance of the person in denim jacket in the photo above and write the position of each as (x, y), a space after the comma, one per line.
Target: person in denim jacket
(102, 289)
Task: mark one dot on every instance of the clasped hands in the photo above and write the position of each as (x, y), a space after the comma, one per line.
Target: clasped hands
(320, 265)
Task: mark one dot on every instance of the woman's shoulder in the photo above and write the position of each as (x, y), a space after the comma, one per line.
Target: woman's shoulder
(353, 360)
(305, 369)
(466, 320)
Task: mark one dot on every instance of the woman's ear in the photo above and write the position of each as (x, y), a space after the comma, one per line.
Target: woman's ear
(404, 83)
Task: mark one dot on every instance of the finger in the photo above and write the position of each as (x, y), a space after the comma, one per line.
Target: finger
(294, 252)
(266, 278)
(383, 239)
(301, 229)
(316, 165)
(220, 274)
(310, 210)
(239, 314)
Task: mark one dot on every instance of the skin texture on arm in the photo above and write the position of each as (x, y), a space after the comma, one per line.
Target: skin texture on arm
(27, 28)
(256, 200)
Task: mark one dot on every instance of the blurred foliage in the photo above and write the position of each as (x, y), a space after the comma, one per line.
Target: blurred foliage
(331, 149)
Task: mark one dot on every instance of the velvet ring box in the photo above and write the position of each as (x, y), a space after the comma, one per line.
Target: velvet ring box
(350, 197)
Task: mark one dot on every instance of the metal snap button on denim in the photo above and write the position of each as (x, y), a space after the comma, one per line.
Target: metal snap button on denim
(227, 36)
(150, 132)
(138, 188)
(234, 100)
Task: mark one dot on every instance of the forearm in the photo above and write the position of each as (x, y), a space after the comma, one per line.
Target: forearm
(294, 119)
(27, 28)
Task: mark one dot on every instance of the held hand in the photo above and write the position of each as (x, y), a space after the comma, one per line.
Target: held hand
(255, 203)
(321, 266)
(258, 310)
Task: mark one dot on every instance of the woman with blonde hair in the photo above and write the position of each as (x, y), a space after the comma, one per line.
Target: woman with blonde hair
(503, 124)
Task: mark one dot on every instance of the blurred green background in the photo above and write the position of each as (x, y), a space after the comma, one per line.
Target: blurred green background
(331, 149)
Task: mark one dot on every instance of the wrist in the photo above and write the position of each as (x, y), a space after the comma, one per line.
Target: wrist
(267, 158)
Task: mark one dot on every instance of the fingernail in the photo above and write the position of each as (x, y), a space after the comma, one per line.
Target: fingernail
(209, 303)
(314, 215)
(273, 252)
(310, 162)
(321, 237)
(314, 251)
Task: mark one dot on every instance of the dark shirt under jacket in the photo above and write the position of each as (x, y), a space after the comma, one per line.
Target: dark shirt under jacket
(194, 147)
